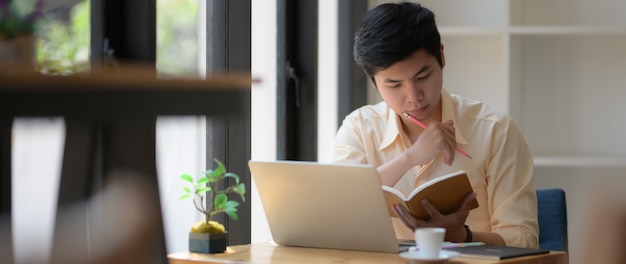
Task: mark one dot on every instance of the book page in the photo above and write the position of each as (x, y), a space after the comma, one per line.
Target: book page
(433, 182)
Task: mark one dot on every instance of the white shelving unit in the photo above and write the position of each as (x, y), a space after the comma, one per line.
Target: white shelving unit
(558, 67)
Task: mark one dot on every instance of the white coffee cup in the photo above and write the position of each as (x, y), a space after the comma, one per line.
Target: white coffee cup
(429, 241)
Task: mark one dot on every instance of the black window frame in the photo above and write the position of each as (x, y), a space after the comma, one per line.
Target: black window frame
(228, 139)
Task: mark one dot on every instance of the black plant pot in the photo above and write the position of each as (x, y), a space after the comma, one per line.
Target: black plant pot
(207, 243)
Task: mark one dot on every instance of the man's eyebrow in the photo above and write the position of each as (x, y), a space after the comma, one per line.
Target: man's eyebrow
(423, 69)
(391, 81)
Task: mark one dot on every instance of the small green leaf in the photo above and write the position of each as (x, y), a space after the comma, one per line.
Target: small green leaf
(212, 175)
(232, 175)
(184, 196)
(202, 181)
(203, 190)
(220, 201)
(230, 208)
(232, 215)
(221, 169)
(187, 178)
(231, 205)
(186, 189)
(241, 190)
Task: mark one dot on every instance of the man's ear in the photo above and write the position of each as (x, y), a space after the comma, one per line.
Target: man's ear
(371, 79)
(443, 57)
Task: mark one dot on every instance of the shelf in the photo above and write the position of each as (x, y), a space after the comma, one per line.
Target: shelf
(603, 13)
(565, 30)
(470, 31)
(129, 93)
(532, 30)
(580, 161)
(558, 68)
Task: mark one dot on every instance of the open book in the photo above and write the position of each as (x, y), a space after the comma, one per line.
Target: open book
(446, 193)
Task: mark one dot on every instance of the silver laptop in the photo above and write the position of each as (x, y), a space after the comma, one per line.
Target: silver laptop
(311, 204)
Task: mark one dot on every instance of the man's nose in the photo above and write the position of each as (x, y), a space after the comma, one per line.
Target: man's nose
(414, 93)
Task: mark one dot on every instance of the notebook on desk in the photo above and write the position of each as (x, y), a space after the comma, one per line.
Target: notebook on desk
(497, 252)
(311, 204)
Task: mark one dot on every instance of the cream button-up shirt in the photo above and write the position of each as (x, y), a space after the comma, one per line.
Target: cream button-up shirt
(500, 171)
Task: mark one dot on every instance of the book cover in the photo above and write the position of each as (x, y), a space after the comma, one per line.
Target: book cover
(497, 252)
(446, 193)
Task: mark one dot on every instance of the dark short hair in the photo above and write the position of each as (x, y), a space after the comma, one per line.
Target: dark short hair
(392, 32)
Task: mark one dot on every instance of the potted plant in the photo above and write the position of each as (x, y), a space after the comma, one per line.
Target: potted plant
(209, 236)
(18, 20)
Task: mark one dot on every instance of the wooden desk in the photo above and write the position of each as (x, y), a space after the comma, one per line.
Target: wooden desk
(272, 253)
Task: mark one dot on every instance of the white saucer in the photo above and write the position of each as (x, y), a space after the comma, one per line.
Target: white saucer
(443, 255)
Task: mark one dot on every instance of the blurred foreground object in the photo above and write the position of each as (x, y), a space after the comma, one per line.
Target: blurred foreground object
(123, 224)
(17, 54)
(605, 229)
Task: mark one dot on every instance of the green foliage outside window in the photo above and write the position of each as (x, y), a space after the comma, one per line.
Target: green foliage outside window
(177, 37)
(63, 46)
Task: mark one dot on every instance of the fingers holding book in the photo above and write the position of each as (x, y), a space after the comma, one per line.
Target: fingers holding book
(453, 222)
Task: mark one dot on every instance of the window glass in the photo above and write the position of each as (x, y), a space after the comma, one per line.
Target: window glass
(178, 38)
(64, 38)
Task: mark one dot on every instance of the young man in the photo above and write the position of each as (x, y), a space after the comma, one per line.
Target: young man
(400, 49)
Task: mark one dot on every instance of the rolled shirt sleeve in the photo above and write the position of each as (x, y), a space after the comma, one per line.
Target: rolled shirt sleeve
(511, 187)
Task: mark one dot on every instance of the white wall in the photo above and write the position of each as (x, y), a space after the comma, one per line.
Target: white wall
(327, 70)
(263, 116)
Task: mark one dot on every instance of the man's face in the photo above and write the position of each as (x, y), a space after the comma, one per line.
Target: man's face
(413, 85)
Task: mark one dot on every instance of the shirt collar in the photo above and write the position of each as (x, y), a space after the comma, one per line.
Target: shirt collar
(392, 132)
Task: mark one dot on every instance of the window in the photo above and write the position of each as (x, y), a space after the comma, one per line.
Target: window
(107, 31)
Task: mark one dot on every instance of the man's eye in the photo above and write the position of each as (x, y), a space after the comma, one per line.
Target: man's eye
(423, 77)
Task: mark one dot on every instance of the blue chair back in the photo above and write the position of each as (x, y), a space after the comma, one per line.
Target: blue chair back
(552, 213)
